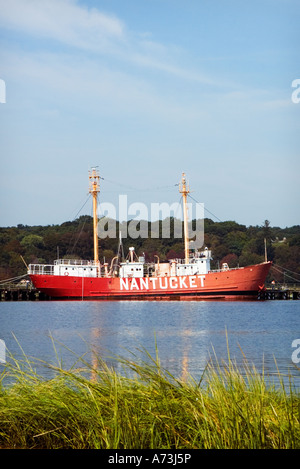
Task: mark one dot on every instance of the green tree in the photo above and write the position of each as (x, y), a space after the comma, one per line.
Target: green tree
(235, 241)
(32, 241)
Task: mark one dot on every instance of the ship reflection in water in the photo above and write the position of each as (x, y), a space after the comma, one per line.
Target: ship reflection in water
(184, 335)
(172, 345)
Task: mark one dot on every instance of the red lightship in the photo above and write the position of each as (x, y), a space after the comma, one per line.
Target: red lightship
(134, 279)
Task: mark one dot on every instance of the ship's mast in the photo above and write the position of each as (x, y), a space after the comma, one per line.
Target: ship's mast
(184, 190)
(94, 189)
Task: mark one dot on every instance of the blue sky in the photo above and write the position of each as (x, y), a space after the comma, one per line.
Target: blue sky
(147, 89)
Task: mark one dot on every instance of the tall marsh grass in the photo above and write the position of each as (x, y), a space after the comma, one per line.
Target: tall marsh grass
(145, 407)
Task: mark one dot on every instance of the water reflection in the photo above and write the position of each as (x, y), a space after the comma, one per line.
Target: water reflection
(186, 334)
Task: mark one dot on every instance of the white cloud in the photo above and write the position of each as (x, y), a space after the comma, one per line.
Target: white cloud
(112, 78)
(90, 30)
(91, 86)
(62, 20)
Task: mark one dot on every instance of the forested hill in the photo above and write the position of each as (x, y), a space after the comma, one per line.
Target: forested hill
(229, 241)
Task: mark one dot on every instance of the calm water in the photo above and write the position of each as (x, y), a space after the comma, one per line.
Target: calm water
(186, 332)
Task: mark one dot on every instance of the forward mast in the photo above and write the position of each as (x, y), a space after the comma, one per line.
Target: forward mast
(94, 189)
(184, 190)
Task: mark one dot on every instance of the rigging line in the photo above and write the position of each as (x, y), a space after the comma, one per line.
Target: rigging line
(13, 278)
(278, 267)
(205, 208)
(284, 268)
(286, 275)
(76, 239)
(82, 207)
(75, 234)
(156, 188)
(119, 184)
(135, 189)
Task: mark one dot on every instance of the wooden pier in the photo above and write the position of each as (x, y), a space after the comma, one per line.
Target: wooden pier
(22, 294)
(280, 293)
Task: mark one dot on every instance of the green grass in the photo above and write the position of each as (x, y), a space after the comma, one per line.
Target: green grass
(145, 407)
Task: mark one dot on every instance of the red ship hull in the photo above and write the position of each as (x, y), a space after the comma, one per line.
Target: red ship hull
(241, 283)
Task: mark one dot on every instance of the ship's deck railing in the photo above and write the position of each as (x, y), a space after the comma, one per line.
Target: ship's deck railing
(192, 260)
(48, 269)
(74, 262)
(41, 269)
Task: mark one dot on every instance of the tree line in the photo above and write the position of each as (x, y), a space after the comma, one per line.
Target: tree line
(230, 242)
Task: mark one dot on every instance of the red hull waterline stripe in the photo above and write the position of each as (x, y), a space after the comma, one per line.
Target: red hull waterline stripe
(167, 297)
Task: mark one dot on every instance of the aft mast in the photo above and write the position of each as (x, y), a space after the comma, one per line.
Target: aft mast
(184, 190)
(94, 189)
